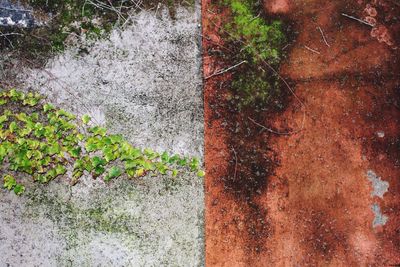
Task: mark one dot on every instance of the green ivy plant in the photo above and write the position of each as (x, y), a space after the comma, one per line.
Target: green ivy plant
(45, 142)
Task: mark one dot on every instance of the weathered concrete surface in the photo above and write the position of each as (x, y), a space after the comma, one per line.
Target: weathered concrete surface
(143, 82)
(15, 15)
(331, 195)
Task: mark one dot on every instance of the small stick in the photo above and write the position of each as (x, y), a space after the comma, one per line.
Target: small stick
(323, 36)
(236, 163)
(312, 50)
(357, 19)
(268, 129)
(225, 70)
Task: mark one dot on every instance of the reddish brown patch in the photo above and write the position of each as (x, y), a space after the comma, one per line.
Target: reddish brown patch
(304, 199)
(277, 6)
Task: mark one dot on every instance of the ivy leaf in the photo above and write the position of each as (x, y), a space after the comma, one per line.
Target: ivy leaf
(194, 164)
(97, 161)
(116, 138)
(150, 154)
(13, 127)
(48, 107)
(3, 152)
(98, 170)
(3, 118)
(75, 152)
(90, 147)
(182, 162)
(148, 165)
(60, 169)
(80, 136)
(54, 148)
(19, 189)
(114, 172)
(98, 131)
(140, 173)
(201, 173)
(173, 159)
(131, 172)
(9, 182)
(165, 157)
(85, 119)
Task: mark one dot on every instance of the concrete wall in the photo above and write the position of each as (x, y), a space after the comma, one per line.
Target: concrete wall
(144, 82)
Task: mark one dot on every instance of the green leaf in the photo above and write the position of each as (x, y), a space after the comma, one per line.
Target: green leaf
(165, 157)
(86, 119)
(201, 173)
(9, 182)
(90, 147)
(3, 118)
(98, 131)
(75, 152)
(80, 136)
(114, 172)
(60, 169)
(19, 189)
(116, 138)
(194, 164)
(54, 148)
(97, 161)
(13, 127)
(47, 107)
(98, 170)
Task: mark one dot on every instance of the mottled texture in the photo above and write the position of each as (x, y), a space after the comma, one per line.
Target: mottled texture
(144, 82)
(13, 15)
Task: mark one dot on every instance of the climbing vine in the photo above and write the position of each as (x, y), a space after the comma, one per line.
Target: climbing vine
(43, 142)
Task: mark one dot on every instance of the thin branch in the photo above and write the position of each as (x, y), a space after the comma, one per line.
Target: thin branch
(323, 36)
(312, 50)
(15, 9)
(11, 33)
(236, 163)
(269, 129)
(225, 70)
(357, 19)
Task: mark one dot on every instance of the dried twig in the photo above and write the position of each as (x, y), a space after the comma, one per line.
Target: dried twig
(312, 50)
(16, 9)
(236, 163)
(11, 33)
(225, 70)
(269, 129)
(357, 19)
(323, 36)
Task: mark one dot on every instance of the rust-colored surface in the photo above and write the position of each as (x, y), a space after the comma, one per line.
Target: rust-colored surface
(305, 199)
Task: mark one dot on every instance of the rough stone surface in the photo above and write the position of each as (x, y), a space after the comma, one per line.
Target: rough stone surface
(143, 82)
(14, 15)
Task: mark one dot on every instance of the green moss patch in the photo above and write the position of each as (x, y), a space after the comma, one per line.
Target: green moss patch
(259, 42)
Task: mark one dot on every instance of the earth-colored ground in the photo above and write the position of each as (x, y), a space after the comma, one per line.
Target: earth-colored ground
(329, 195)
(144, 82)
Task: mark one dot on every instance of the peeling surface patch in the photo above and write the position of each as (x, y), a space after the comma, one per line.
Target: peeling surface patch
(380, 186)
(380, 219)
